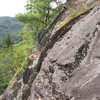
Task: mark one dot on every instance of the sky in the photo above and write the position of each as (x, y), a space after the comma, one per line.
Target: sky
(53, 4)
(12, 7)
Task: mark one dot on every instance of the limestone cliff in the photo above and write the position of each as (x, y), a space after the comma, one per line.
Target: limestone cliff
(69, 66)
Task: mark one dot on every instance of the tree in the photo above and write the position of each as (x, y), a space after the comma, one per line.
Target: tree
(39, 14)
(7, 41)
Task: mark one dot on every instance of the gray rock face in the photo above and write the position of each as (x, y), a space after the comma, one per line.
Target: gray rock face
(90, 1)
(0, 97)
(12, 92)
(70, 66)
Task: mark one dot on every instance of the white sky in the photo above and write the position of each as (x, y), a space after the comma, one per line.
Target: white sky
(12, 7)
(53, 4)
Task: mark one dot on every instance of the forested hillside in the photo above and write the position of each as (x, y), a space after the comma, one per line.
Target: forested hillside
(9, 25)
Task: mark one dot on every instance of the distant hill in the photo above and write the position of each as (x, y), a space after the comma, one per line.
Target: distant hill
(9, 25)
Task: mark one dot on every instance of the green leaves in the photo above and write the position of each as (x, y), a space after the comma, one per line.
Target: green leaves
(6, 68)
(39, 15)
(29, 18)
(14, 59)
(8, 41)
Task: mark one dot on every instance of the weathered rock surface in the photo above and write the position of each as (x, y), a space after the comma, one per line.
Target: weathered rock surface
(12, 92)
(89, 1)
(70, 68)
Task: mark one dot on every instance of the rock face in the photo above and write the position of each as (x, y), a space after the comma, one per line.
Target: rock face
(89, 1)
(69, 67)
(12, 93)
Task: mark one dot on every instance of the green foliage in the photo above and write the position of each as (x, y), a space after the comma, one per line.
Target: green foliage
(21, 51)
(13, 58)
(39, 14)
(7, 41)
(6, 70)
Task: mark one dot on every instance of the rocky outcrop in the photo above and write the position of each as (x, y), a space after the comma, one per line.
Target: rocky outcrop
(12, 93)
(0, 97)
(68, 68)
(88, 2)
